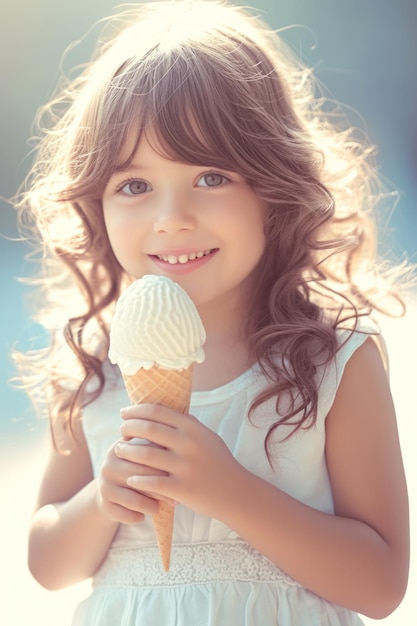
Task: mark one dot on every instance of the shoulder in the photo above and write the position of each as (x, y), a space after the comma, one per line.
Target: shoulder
(364, 365)
(363, 402)
(349, 342)
(350, 339)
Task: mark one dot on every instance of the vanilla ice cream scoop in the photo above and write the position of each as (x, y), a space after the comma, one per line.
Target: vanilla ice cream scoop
(155, 324)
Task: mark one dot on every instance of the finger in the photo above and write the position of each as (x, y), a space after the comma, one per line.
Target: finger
(153, 431)
(157, 485)
(121, 515)
(153, 412)
(144, 458)
(136, 501)
(120, 469)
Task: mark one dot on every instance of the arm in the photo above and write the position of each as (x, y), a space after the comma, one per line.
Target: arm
(357, 558)
(77, 516)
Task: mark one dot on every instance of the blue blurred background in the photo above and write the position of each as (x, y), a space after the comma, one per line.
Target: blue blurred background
(364, 51)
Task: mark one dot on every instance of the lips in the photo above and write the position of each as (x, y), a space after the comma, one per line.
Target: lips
(183, 258)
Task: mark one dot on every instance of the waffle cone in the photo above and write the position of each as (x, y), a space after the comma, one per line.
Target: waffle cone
(171, 388)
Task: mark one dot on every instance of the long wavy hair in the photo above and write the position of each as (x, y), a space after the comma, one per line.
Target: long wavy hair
(218, 88)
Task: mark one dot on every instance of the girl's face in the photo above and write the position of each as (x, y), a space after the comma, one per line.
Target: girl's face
(200, 226)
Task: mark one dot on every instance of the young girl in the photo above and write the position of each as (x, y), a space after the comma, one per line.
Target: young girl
(193, 147)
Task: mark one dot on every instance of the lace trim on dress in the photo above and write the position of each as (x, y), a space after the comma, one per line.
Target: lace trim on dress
(192, 563)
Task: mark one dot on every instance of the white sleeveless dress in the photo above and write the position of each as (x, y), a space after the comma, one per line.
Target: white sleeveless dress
(215, 578)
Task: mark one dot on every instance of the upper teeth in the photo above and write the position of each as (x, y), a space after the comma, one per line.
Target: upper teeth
(183, 258)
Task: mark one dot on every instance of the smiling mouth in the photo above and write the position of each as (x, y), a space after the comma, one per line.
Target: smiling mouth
(172, 259)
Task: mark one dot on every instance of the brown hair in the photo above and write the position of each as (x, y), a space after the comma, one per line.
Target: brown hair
(224, 91)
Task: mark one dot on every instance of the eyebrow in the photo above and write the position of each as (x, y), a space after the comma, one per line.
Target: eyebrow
(128, 167)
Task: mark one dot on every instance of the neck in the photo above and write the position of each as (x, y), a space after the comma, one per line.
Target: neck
(226, 317)
(226, 350)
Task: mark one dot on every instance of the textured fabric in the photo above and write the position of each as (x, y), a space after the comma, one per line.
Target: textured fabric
(215, 578)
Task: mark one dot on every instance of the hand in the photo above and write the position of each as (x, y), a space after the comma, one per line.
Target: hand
(195, 466)
(116, 499)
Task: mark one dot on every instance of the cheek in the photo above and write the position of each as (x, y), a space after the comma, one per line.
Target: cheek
(252, 232)
(124, 235)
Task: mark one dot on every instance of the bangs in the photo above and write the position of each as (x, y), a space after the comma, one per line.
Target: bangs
(198, 112)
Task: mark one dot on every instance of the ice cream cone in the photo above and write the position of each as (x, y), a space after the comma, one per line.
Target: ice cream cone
(156, 336)
(172, 388)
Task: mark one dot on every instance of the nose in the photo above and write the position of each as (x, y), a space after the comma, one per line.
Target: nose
(173, 214)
